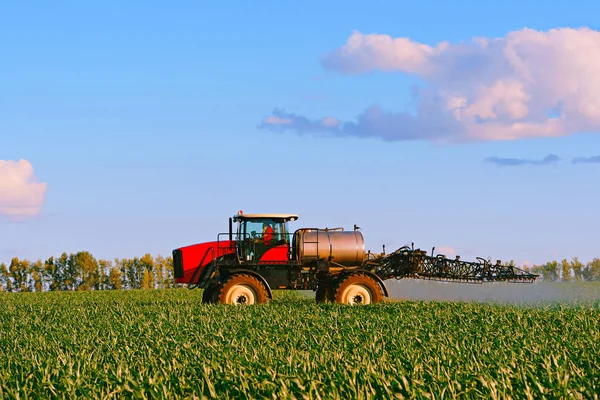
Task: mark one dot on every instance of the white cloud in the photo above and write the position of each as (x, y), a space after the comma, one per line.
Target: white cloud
(329, 121)
(524, 85)
(21, 195)
(364, 53)
(277, 121)
(446, 250)
(525, 263)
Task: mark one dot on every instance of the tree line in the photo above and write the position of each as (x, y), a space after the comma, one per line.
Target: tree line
(82, 271)
(568, 271)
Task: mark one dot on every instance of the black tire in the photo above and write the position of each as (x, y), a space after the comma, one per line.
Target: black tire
(241, 289)
(357, 289)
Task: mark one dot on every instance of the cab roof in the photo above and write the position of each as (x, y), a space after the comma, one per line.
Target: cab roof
(285, 217)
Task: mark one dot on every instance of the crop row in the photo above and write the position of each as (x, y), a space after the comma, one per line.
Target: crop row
(167, 344)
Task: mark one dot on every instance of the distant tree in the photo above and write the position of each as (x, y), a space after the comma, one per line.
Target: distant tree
(81, 271)
(4, 278)
(159, 268)
(18, 278)
(146, 280)
(114, 278)
(536, 269)
(37, 273)
(123, 266)
(104, 267)
(548, 271)
(134, 272)
(50, 274)
(595, 269)
(552, 271)
(591, 272)
(169, 273)
(147, 266)
(565, 267)
(68, 270)
(577, 267)
(86, 270)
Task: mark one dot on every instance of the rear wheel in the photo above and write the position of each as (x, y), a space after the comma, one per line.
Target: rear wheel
(358, 289)
(241, 289)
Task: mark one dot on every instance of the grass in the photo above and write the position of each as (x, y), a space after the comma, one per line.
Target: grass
(166, 344)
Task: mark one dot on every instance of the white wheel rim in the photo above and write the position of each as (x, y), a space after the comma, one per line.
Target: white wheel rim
(357, 294)
(241, 295)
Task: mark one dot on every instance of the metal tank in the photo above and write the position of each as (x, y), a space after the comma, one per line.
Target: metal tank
(345, 247)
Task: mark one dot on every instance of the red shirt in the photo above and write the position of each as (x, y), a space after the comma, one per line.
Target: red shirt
(268, 235)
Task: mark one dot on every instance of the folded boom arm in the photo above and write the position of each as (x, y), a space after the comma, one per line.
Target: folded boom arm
(407, 262)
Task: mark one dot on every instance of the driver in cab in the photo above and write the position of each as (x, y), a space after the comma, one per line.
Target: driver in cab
(267, 234)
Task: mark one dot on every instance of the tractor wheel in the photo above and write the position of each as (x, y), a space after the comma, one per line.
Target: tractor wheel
(357, 289)
(324, 293)
(241, 289)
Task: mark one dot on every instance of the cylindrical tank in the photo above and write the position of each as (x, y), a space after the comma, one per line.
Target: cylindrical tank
(345, 248)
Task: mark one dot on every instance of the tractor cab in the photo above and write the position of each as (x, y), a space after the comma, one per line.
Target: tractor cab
(263, 238)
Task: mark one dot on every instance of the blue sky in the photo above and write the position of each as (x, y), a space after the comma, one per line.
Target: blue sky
(143, 121)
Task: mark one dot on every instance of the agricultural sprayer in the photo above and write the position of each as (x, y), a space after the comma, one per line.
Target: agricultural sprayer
(245, 264)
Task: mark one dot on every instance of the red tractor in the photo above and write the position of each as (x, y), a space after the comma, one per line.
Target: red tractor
(244, 265)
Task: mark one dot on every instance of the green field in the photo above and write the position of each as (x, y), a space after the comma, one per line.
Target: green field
(166, 344)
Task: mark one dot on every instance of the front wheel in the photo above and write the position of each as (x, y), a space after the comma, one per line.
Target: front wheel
(242, 289)
(358, 289)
